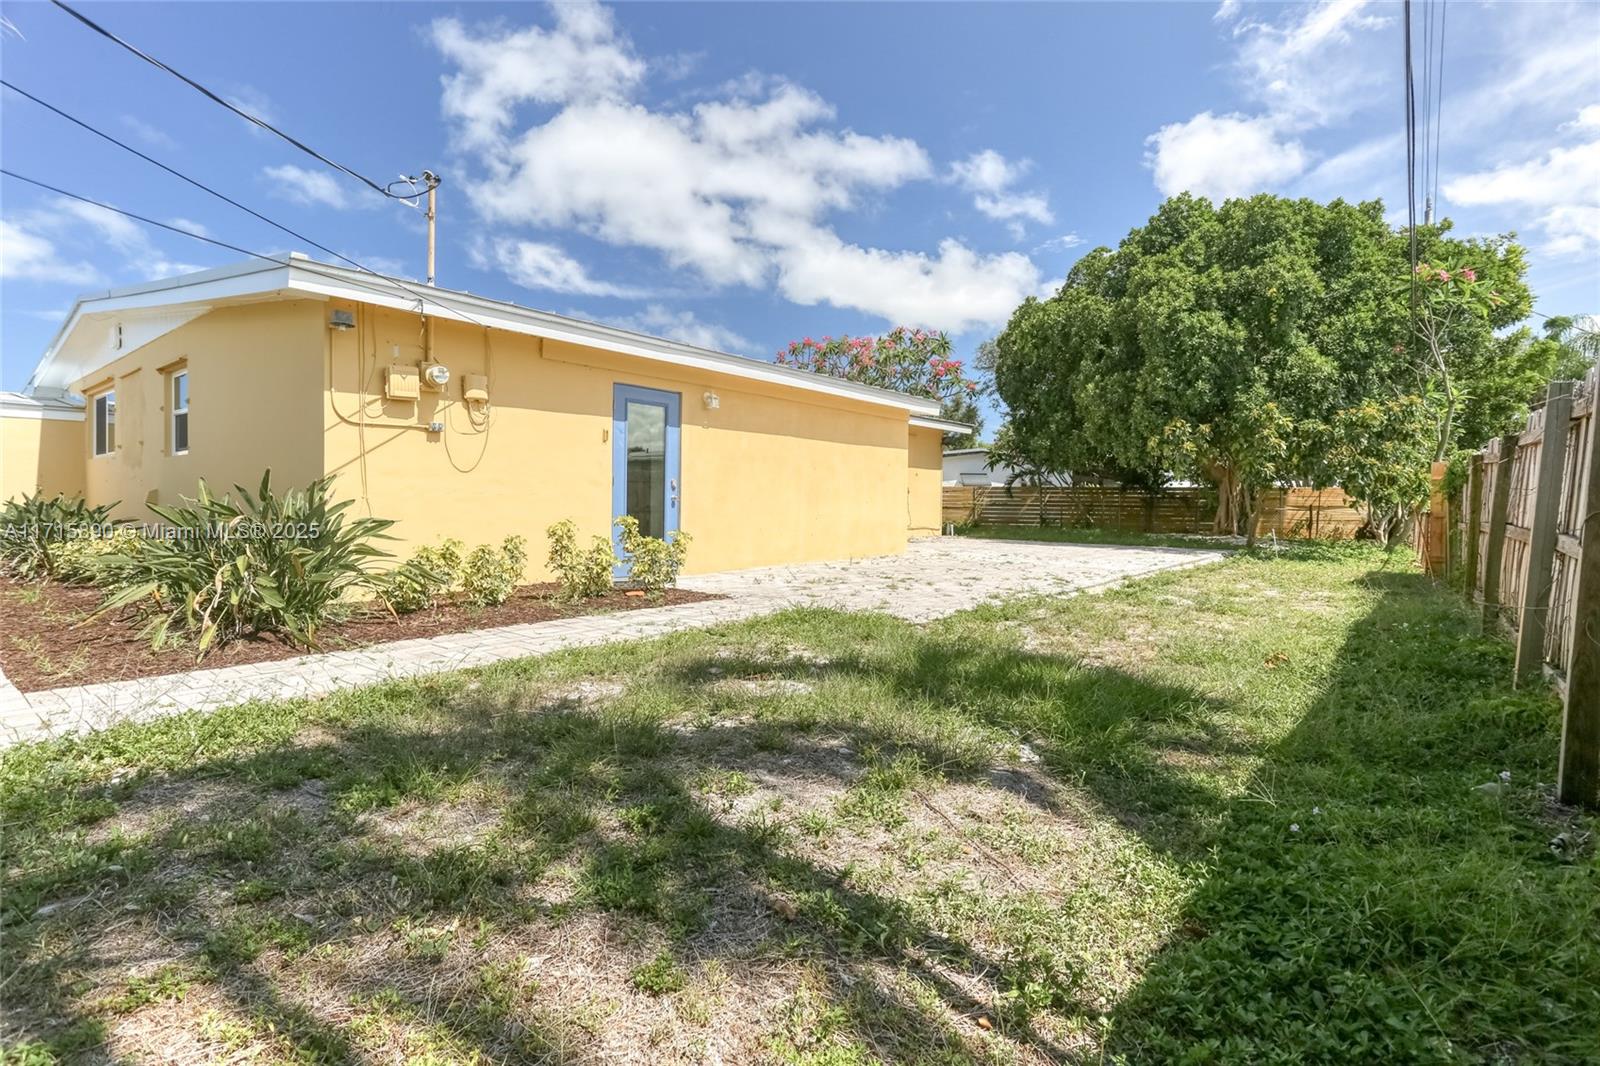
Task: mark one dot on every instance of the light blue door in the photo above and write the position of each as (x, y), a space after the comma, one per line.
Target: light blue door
(644, 462)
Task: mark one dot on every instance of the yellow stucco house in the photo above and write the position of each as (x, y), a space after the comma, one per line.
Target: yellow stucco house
(464, 417)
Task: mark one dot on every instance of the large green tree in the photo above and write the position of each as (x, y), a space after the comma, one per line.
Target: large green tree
(1261, 342)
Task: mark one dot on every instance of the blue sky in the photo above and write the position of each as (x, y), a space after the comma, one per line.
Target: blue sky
(742, 174)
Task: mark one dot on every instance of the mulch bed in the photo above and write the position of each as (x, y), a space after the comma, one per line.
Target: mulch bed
(41, 649)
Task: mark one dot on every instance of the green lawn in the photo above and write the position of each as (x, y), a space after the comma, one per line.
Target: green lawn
(1228, 814)
(1062, 534)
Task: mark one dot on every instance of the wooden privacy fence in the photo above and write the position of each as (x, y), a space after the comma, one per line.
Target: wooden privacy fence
(1523, 538)
(1293, 512)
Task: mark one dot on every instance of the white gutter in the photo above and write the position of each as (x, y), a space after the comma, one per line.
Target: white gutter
(300, 274)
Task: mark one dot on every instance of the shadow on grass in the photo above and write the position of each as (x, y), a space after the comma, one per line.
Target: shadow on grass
(286, 878)
(1370, 904)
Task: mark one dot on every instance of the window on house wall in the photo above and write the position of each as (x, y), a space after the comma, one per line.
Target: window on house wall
(180, 412)
(105, 423)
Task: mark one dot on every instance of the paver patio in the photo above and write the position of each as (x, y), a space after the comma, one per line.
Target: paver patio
(933, 578)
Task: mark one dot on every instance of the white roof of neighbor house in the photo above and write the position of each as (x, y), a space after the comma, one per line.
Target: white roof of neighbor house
(81, 346)
(49, 408)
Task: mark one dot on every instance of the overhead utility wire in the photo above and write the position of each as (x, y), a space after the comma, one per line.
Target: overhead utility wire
(180, 175)
(1411, 154)
(1438, 98)
(241, 112)
(308, 266)
(223, 196)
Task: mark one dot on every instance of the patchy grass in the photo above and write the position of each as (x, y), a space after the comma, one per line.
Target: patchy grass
(1062, 534)
(1227, 814)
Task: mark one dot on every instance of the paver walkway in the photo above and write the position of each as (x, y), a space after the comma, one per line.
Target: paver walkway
(933, 578)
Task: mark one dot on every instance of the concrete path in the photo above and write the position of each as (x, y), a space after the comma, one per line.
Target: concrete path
(934, 578)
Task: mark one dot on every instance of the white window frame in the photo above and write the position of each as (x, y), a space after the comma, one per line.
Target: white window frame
(104, 427)
(172, 418)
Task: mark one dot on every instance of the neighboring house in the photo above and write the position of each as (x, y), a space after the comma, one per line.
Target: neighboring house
(970, 466)
(41, 444)
(464, 417)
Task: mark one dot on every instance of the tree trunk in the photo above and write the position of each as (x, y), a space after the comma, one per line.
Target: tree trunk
(1227, 519)
(1252, 503)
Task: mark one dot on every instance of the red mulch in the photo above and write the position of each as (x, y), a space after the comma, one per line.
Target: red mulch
(40, 649)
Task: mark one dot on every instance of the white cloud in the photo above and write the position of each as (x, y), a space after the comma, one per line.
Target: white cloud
(988, 175)
(1221, 156)
(1226, 11)
(738, 189)
(660, 321)
(1314, 65)
(580, 58)
(32, 248)
(1310, 68)
(536, 265)
(1059, 244)
(1562, 183)
(151, 135)
(301, 185)
(26, 255)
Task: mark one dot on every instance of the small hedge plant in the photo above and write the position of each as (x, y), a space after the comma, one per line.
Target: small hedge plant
(266, 563)
(656, 562)
(581, 573)
(423, 581)
(52, 537)
(489, 575)
(484, 577)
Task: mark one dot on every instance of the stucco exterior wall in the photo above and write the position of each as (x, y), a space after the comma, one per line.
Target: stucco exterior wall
(770, 476)
(924, 477)
(255, 377)
(40, 455)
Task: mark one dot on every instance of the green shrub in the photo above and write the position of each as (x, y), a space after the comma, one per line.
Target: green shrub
(490, 575)
(78, 560)
(580, 573)
(423, 581)
(225, 568)
(34, 530)
(656, 562)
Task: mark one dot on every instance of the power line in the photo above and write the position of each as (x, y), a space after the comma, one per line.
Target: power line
(184, 177)
(137, 218)
(247, 116)
(309, 267)
(219, 195)
(1438, 97)
(1411, 155)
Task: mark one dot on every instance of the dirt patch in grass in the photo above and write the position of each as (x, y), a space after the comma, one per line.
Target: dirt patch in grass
(44, 646)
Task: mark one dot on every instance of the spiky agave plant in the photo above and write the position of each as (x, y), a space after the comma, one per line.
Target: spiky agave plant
(242, 564)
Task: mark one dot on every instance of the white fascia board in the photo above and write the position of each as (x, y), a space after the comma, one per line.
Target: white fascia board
(321, 279)
(206, 287)
(298, 274)
(922, 422)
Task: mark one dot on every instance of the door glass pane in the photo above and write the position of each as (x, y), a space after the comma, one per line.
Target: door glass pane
(647, 466)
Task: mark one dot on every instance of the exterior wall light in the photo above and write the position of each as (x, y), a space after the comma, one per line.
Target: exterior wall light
(712, 401)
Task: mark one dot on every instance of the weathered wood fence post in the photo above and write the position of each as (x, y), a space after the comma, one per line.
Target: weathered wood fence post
(1579, 782)
(1474, 523)
(1503, 454)
(1533, 613)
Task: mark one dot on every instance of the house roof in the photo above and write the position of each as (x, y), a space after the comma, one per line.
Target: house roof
(49, 408)
(81, 347)
(966, 451)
